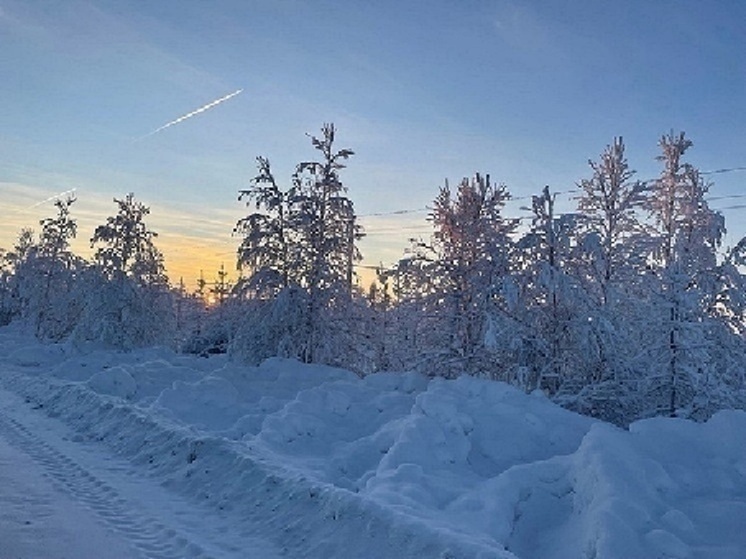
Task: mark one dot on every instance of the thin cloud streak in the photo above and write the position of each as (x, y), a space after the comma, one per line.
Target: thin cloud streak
(190, 115)
(55, 197)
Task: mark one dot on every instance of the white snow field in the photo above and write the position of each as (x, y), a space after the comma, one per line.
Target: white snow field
(155, 454)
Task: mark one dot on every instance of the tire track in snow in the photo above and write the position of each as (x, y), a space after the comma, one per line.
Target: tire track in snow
(149, 536)
(267, 515)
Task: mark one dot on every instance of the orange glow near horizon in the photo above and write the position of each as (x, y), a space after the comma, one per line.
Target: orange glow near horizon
(191, 240)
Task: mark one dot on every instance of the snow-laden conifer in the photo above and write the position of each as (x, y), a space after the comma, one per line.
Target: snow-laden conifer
(130, 303)
(299, 247)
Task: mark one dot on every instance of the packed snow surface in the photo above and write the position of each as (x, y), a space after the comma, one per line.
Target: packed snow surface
(326, 464)
(36, 517)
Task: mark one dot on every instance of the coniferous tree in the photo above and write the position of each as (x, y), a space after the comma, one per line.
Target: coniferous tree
(59, 304)
(612, 270)
(124, 245)
(415, 337)
(131, 303)
(299, 249)
(550, 299)
(17, 265)
(729, 301)
(264, 251)
(324, 222)
(44, 272)
(221, 287)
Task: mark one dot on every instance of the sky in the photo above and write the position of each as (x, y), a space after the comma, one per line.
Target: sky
(422, 91)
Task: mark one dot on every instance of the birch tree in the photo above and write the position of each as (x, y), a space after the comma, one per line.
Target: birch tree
(609, 205)
(689, 233)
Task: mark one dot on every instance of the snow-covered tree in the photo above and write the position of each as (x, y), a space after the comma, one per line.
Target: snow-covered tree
(611, 268)
(449, 289)
(16, 265)
(43, 273)
(610, 222)
(689, 233)
(729, 302)
(302, 240)
(415, 336)
(190, 315)
(60, 304)
(125, 246)
(325, 226)
(264, 251)
(130, 302)
(550, 304)
(473, 242)
(324, 218)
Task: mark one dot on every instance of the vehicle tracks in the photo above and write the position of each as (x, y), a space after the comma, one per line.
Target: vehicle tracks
(153, 538)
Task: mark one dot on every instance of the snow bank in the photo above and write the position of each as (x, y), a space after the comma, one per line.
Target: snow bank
(399, 465)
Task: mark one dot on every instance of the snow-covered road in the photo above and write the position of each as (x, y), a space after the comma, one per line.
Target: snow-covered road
(39, 520)
(65, 498)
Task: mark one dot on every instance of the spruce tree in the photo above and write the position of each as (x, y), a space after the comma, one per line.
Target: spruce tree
(299, 248)
(130, 302)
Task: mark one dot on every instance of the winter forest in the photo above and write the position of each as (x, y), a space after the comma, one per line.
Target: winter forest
(627, 307)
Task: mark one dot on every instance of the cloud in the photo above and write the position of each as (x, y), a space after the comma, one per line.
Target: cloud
(55, 197)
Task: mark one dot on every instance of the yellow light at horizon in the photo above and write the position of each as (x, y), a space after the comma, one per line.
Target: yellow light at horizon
(191, 240)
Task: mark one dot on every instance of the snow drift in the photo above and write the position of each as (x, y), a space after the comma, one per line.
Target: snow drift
(396, 464)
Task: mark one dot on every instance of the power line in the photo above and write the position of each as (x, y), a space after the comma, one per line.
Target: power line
(396, 212)
(412, 228)
(574, 190)
(727, 197)
(720, 171)
(421, 231)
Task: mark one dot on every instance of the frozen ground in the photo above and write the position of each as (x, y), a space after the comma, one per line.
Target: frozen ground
(172, 456)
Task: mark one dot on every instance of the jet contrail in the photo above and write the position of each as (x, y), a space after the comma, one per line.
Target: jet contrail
(60, 195)
(193, 113)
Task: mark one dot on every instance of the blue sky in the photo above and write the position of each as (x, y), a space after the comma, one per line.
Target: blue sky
(421, 90)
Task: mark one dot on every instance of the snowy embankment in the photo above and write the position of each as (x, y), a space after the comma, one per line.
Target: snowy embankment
(394, 465)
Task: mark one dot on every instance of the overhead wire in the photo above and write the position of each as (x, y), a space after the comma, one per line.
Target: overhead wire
(720, 171)
(422, 230)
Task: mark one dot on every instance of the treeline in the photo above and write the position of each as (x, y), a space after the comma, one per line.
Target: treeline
(627, 307)
(121, 298)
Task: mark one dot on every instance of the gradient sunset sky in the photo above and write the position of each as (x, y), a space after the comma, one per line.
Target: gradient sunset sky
(421, 90)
